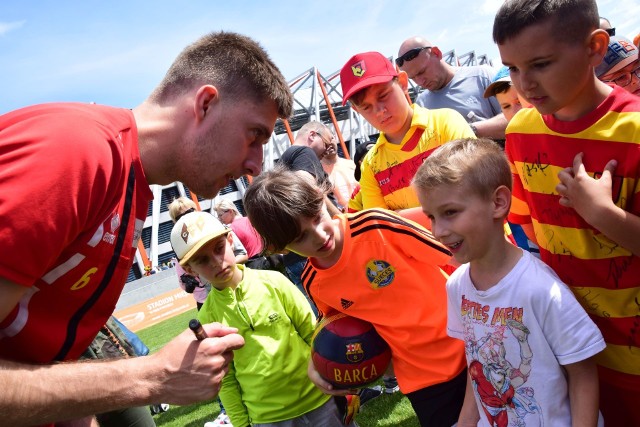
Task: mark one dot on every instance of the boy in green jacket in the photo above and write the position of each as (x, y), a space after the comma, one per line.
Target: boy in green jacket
(267, 382)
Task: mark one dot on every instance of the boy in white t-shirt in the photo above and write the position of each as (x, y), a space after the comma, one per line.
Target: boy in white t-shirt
(529, 344)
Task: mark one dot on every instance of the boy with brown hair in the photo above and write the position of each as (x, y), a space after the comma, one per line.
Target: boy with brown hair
(529, 343)
(376, 266)
(408, 132)
(576, 162)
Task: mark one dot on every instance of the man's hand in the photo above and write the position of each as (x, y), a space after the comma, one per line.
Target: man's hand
(588, 196)
(192, 370)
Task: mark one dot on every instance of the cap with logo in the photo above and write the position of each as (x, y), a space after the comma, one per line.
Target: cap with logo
(620, 53)
(193, 231)
(363, 70)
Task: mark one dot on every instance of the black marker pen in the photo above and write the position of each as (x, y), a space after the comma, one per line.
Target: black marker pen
(198, 330)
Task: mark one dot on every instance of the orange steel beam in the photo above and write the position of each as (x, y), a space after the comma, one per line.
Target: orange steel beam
(143, 254)
(288, 128)
(333, 116)
(194, 197)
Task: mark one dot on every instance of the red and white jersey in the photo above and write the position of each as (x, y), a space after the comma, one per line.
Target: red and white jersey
(73, 203)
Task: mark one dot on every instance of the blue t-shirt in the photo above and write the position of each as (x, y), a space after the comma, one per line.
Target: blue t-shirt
(464, 93)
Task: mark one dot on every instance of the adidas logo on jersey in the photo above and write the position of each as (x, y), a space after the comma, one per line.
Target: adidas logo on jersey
(345, 303)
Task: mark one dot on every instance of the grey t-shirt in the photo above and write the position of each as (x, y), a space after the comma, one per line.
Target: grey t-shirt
(464, 94)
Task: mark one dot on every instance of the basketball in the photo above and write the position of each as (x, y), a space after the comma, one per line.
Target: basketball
(348, 352)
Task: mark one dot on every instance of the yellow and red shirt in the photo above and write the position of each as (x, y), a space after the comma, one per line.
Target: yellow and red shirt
(604, 276)
(387, 169)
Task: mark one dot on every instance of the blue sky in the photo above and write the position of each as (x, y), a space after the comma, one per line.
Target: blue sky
(116, 52)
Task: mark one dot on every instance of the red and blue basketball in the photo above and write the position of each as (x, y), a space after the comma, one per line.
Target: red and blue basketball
(348, 352)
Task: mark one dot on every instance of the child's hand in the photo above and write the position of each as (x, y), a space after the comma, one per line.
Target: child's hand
(323, 385)
(588, 196)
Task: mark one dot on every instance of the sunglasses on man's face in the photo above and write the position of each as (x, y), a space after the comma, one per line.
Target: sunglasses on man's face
(611, 31)
(410, 55)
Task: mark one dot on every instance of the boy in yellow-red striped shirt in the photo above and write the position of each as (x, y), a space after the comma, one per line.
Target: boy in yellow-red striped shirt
(576, 165)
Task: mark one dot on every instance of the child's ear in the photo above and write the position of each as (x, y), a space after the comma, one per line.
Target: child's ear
(187, 268)
(230, 238)
(403, 81)
(598, 44)
(501, 202)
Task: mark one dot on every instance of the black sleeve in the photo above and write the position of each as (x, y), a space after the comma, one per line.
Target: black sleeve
(303, 158)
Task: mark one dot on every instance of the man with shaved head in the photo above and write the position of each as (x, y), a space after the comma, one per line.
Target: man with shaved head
(459, 88)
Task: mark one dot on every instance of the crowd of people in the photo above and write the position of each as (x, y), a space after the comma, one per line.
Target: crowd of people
(492, 235)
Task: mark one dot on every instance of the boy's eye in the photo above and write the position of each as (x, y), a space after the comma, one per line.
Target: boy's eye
(449, 212)
(513, 70)
(541, 64)
(200, 260)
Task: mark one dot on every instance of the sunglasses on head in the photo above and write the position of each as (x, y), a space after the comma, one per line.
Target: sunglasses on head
(410, 55)
(188, 211)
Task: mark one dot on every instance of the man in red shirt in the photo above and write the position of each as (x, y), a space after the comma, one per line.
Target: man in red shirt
(87, 170)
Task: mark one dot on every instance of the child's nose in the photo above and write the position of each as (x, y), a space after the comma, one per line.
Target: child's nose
(438, 229)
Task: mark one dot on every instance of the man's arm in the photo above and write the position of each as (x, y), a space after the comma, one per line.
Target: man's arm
(331, 208)
(583, 393)
(183, 372)
(493, 127)
(592, 200)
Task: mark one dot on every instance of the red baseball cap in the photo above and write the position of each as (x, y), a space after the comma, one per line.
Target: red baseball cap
(363, 70)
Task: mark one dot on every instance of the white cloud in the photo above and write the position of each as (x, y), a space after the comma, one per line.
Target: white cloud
(5, 27)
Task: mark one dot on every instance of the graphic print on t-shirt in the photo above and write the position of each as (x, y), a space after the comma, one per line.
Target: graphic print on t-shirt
(500, 357)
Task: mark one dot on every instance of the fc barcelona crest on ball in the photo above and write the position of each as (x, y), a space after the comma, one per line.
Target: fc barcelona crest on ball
(354, 352)
(348, 352)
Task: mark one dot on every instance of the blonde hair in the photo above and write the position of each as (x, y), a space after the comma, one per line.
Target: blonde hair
(226, 205)
(180, 205)
(479, 164)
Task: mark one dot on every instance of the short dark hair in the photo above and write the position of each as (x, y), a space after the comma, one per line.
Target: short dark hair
(574, 19)
(235, 64)
(276, 200)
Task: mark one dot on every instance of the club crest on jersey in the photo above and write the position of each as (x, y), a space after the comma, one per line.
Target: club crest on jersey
(354, 352)
(380, 273)
(358, 69)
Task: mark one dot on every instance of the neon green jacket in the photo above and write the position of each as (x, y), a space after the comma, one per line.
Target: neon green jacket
(267, 381)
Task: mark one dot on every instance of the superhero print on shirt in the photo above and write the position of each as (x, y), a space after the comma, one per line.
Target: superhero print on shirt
(499, 377)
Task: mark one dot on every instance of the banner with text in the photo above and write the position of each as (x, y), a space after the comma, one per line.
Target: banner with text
(155, 310)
